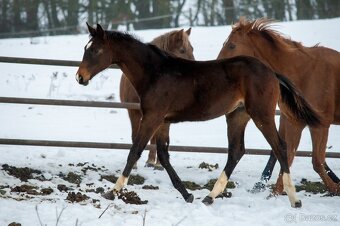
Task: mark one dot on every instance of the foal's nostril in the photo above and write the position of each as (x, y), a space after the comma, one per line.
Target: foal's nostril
(80, 79)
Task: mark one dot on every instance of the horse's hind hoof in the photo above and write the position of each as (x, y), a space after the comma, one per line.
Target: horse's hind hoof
(190, 198)
(109, 195)
(297, 204)
(208, 200)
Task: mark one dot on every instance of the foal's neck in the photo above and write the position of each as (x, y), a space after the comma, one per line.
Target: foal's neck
(139, 62)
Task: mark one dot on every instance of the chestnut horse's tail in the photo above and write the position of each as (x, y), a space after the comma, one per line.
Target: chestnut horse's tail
(296, 103)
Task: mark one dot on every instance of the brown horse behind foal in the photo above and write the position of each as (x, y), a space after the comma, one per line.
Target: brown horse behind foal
(174, 90)
(314, 70)
(174, 42)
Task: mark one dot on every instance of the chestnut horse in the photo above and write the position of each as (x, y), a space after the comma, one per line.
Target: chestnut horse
(314, 70)
(173, 89)
(174, 42)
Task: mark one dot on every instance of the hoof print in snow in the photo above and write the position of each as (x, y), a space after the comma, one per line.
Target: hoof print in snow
(109, 195)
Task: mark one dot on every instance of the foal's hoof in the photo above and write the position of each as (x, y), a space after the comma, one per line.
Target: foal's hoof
(297, 204)
(190, 198)
(208, 200)
(258, 187)
(109, 195)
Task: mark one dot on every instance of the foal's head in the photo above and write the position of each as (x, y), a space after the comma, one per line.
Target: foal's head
(176, 42)
(97, 55)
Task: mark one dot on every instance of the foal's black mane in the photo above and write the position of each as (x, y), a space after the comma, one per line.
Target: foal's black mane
(124, 36)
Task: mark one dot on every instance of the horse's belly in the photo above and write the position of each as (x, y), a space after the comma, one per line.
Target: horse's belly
(202, 112)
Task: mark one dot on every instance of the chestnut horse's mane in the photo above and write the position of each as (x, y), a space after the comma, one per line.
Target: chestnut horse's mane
(163, 42)
(264, 28)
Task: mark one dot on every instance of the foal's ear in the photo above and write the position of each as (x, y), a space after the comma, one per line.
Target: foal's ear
(188, 31)
(91, 30)
(100, 31)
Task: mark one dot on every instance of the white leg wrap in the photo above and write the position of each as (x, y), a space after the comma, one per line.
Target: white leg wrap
(219, 186)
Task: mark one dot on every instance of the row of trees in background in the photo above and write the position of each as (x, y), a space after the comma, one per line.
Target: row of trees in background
(36, 17)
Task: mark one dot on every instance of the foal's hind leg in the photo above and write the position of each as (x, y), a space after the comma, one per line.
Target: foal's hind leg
(162, 134)
(236, 122)
(266, 124)
(162, 151)
(135, 117)
(319, 139)
(292, 137)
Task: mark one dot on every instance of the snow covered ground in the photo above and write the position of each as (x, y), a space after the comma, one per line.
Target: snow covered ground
(165, 206)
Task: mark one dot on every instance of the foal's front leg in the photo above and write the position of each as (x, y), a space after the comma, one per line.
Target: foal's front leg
(147, 127)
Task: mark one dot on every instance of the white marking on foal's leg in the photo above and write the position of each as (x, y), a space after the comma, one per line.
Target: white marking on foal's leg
(120, 183)
(289, 187)
(219, 186)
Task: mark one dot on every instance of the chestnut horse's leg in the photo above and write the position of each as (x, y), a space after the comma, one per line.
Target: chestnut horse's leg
(236, 122)
(150, 162)
(162, 141)
(319, 139)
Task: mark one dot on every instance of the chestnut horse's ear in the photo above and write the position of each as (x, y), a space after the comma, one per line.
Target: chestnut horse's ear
(100, 31)
(188, 31)
(91, 30)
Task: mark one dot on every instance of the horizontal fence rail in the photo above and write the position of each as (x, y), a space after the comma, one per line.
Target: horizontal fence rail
(72, 103)
(23, 60)
(75, 103)
(98, 104)
(75, 144)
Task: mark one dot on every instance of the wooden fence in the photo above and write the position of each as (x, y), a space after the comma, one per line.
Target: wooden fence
(98, 104)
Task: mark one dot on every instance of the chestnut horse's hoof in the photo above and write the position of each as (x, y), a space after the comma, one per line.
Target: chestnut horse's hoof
(109, 195)
(208, 200)
(190, 198)
(297, 204)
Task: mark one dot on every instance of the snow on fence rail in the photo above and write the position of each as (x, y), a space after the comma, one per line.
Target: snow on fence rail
(98, 104)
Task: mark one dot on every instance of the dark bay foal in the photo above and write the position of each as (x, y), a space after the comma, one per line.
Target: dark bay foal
(174, 90)
(175, 42)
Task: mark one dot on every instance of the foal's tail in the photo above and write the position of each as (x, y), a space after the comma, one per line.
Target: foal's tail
(296, 103)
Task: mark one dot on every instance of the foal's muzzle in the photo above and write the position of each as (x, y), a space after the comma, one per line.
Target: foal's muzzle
(81, 80)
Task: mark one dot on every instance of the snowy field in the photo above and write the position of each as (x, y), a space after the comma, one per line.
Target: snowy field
(165, 206)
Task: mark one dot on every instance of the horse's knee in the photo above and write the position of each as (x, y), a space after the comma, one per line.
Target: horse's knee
(317, 165)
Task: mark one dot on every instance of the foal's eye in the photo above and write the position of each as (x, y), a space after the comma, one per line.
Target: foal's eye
(231, 46)
(182, 50)
(93, 51)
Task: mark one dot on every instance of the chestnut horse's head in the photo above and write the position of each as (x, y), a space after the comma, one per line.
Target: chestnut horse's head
(97, 55)
(177, 43)
(246, 37)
